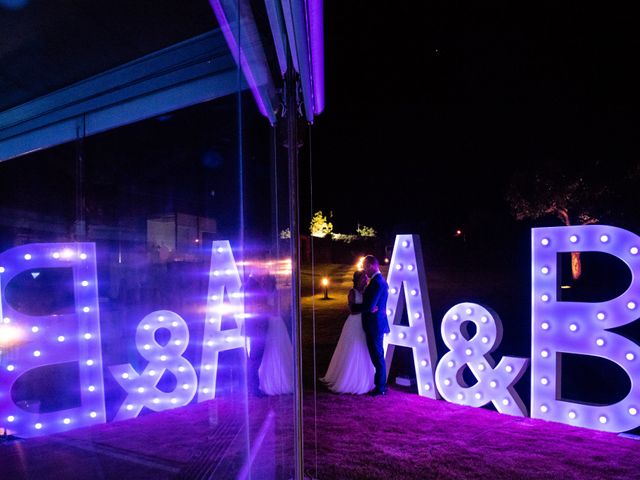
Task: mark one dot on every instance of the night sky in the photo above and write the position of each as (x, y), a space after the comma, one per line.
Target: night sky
(445, 94)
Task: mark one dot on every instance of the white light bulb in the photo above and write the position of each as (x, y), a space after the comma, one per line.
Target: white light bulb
(484, 319)
(410, 268)
(468, 311)
(460, 396)
(399, 266)
(602, 419)
(389, 311)
(27, 256)
(505, 401)
(600, 342)
(156, 400)
(129, 407)
(402, 335)
(205, 390)
(573, 238)
(56, 255)
(427, 387)
(468, 351)
(493, 384)
(11, 368)
(447, 382)
(84, 283)
(66, 421)
(178, 342)
(185, 386)
(181, 369)
(544, 381)
(161, 318)
(604, 238)
(152, 373)
(37, 425)
(453, 336)
(544, 298)
(478, 395)
(544, 241)
(147, 327)
(485, 339)
(35, 329)
(61, 338)
(219, 250)
(91, 388)
(85, 309)
(601, 316)
(93, 414)
(572, 415)
(140, 389)
(10, 418)
(544, 408)
(416, 315)
(394, 291)
(450, 363)
(544, 270)
(544, 353)
(509, 368)
(455, 316)
(633, 411)
(481, 367)
(174, 400)
(420, 338)
(2, 270)
(423, 363)
(573, 327)
(210, 343)
(83, 256)
(631, 305)
(36, 353)
(405, 244)
(544, 326)
(630, 356)
(147, 347)
(163, 358)
(414, 292)
(633, 250)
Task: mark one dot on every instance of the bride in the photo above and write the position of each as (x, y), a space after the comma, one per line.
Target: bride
(350, 369)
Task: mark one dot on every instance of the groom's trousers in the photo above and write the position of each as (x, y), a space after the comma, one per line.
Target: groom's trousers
(376, 352)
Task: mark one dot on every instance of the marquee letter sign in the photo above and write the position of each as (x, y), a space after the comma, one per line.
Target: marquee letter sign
(582, 328)
(223, 277)
(408, 287)
(495, 383)
(51, 340)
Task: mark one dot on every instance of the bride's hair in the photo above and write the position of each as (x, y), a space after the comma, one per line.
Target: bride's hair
(357, 275)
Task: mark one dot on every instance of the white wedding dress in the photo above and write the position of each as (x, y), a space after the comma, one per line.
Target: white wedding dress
(350, 369)
(276, 368)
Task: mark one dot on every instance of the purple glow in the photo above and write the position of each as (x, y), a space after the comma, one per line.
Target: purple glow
(54, 339)
(316, 40)
(240, 57)
(582, 328)
(419, 334)
(495, 383)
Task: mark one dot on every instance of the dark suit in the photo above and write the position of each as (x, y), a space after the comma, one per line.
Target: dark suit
(375, 325)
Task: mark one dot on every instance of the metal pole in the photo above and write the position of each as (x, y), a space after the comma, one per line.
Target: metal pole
(296, 312)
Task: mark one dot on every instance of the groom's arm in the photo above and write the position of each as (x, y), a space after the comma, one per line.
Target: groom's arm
(370, 300)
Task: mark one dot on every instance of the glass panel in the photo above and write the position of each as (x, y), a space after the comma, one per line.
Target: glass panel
(146, 294)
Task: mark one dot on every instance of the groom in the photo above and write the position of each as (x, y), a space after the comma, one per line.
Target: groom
(374, 320)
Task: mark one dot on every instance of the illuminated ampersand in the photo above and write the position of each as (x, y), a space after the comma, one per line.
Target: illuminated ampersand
(582, 328)
(142, 388)
(495, 384)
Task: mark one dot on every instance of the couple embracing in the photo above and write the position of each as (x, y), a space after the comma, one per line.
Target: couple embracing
(357, 365)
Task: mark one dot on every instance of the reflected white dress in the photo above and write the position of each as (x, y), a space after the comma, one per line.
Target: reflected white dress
(350, 369)
(276, 368)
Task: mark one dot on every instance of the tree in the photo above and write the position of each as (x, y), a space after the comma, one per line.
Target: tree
(578, 194)
(319, 225)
